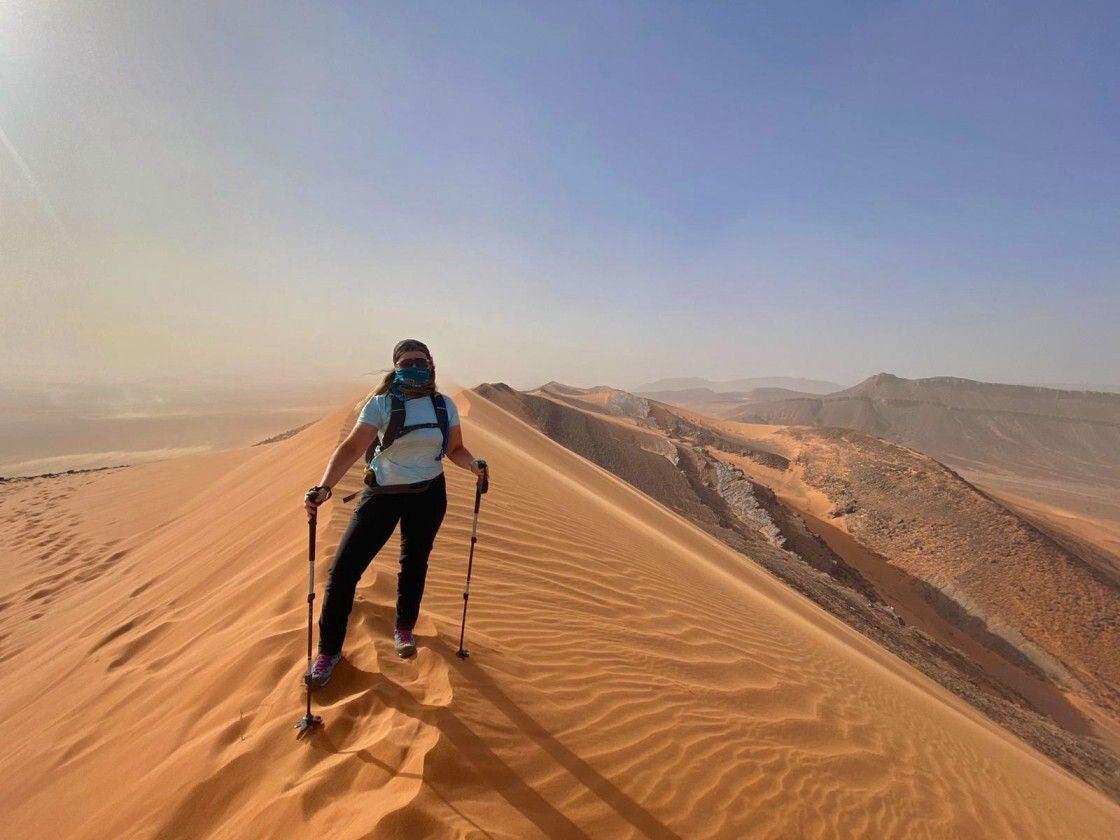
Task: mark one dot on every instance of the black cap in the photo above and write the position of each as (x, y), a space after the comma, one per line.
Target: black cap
(408, 345)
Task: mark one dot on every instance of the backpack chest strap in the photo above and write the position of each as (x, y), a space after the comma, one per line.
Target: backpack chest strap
(415, 426)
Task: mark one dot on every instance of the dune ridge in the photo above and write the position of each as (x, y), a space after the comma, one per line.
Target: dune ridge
(794, 500)
(899, 504)
(630, 675)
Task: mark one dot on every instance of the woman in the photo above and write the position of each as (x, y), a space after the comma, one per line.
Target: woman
(417, 427)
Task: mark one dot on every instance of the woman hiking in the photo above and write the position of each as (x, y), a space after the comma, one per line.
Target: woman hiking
(417, 427)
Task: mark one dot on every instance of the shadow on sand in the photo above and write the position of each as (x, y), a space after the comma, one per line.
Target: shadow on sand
(470, 679)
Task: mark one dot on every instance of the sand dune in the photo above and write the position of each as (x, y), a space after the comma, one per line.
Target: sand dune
(630, 675)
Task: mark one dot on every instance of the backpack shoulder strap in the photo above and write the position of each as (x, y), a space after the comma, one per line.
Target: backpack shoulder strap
(392, 429)
(439, 403)
(396, 421)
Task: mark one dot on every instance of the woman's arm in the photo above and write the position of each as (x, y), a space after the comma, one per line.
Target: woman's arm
(458, 454)
(347, 452)
(356, 443)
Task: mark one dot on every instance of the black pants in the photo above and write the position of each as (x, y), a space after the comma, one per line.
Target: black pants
(373, 522)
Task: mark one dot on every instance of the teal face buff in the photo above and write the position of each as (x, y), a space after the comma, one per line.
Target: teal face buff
(412, 377)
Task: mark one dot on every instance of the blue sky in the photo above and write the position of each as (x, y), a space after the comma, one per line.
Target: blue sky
(590, 192)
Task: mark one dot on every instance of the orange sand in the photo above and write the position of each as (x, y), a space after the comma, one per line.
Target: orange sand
(630, 676)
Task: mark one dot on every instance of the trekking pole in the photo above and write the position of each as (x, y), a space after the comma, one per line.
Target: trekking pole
(309, 721)
(481, 486)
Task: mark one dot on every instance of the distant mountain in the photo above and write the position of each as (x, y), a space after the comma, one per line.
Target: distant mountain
(809, 386)
(697, 395)
(723, 403)
(970, 424)
(1081, 386)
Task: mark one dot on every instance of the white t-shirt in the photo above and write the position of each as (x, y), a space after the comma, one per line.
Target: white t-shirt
(411, 457)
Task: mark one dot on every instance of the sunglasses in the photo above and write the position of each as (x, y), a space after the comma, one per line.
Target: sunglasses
(414, 363)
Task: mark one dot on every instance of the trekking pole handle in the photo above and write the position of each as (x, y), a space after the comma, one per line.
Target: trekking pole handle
(311, 523)
(484, 479)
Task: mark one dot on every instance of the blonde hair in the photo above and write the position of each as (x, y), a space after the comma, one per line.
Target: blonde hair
(386, 384)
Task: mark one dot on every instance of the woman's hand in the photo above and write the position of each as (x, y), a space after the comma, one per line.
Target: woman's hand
(479, 468)
(315, 497)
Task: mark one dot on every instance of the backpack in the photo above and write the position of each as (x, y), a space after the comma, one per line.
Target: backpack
(396, 426)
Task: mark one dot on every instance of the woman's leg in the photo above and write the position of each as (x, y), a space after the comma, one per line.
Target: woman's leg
(370, 528)
(421, 516)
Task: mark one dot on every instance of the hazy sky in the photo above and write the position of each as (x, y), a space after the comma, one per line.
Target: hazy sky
(599, 192)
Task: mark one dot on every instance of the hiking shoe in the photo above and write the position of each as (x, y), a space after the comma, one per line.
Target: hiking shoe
(322, 669)
(406, 644)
